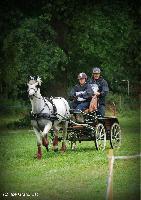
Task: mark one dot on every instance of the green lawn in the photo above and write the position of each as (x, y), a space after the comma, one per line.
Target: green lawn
(71, 175)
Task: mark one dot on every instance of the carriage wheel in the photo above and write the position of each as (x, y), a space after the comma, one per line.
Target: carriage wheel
(115, 137)
(100, 137)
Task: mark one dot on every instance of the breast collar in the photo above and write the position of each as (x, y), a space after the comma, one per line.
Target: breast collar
(53, 114)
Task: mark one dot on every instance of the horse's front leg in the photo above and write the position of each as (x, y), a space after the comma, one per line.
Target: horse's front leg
(64, 147)
(39, 143)
(45, 141)
(55, 140)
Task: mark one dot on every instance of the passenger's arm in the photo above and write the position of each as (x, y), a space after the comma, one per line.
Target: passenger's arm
(105, 88)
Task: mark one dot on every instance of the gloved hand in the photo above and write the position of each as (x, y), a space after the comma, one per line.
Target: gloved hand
(72, 98)
(80, 95)
(97, 93)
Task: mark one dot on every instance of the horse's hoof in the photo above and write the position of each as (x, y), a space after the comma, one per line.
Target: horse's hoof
(38, 156)
(74, 147)
(56, 150)
(35, 157)
(63, 149)
(47, 149)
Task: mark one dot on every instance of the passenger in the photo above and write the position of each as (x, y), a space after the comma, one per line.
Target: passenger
(81, 94)
(100, 88)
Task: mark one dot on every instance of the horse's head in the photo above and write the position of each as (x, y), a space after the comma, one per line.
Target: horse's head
(33, 86)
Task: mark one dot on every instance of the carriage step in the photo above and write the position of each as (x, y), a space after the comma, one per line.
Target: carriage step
(78, 126)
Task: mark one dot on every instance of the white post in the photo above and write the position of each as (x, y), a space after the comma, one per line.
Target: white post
(109, 195)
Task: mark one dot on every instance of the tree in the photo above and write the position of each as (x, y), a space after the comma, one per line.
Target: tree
(31, 50)
(102, 36)
(59, 39)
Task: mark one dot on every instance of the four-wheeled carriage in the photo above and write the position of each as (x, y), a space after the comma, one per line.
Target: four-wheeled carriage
(91, 127)
(54, 113)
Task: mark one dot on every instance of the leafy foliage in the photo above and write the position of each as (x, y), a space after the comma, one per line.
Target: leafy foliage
(101, 39)
(31, 49)
(59, 39)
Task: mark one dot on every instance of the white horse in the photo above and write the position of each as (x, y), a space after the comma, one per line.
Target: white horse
(46, 114)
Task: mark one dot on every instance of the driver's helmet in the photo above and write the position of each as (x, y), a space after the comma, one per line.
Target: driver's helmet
(82, 75)
(96, 70)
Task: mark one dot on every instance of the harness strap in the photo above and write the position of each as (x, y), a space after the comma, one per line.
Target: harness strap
(52, 116)
(53, 105)
(47, 105)
(38, 116)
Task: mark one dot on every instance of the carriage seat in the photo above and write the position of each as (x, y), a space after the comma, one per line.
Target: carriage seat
(76, 115)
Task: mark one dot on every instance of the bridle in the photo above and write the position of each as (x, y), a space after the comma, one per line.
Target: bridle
(45, 103)
(35, 90)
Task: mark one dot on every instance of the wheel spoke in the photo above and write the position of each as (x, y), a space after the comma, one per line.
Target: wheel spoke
(115, 135)
(100, 137)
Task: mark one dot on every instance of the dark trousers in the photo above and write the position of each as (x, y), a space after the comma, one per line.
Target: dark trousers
(101, 110)
(80, 106)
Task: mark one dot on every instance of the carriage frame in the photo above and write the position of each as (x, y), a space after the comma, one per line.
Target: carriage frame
(94, 128)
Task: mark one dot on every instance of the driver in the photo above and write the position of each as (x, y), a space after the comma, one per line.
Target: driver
(81, 94)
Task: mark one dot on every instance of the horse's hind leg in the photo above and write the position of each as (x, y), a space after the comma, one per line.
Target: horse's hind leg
(65, 126)
(55, 140)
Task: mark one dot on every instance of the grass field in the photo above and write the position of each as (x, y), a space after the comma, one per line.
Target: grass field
(73, 175)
